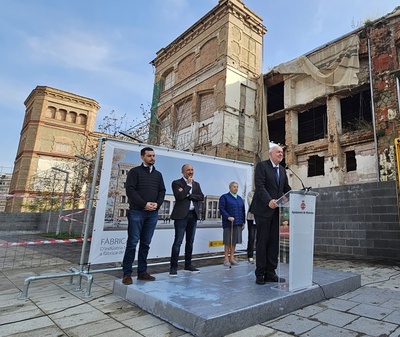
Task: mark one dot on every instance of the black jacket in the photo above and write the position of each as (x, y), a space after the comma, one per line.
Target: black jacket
(183, 198)
(266, 187)
(143, 186)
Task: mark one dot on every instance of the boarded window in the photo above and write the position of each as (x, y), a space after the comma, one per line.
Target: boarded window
(207, 106)
(169, 79)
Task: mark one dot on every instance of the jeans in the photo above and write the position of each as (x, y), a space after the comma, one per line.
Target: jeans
(186, 225)
(141, 226)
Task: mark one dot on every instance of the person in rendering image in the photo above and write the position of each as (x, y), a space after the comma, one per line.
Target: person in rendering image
(232, 209)
(145, 190)
(185, 214)
(271, 182)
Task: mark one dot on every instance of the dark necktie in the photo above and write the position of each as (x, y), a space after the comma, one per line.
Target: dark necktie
(277, 174)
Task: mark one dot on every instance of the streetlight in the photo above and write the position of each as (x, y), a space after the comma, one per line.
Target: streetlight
(63, 198)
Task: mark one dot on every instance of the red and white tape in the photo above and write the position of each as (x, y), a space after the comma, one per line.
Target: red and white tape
(39, 242)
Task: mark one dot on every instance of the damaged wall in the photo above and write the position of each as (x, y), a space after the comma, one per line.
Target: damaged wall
(329, 119)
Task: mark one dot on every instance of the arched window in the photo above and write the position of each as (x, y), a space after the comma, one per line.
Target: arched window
(62, 115)
(208, 52)
(186, 67)
(82, 119)
(51, 112)
(72, 117)
(169, 79)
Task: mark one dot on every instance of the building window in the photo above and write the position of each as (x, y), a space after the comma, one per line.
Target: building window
(62, 115)
(275, 101)
(72, 117)
(123, 198)
(51, 112)
(312, 124)
(183, 114)
(351, 162)
(82, 119)
(316, 166)
(206, 106)
(169, 79)
(163, 212)
(277, 131)
(356, 112)
(213, 210)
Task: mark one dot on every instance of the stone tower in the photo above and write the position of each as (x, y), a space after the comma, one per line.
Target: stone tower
(207, 85)
(57, 126)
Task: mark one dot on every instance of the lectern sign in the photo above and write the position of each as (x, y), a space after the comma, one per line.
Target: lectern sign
(297, 213)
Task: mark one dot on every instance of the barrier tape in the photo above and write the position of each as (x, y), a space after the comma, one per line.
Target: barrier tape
(6, 195)
(40, 242)
(67, 217)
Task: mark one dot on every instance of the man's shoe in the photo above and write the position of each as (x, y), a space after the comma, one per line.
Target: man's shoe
(251, 260)
(146, 277)
(260, 279)
(234, 262)
(173, 272)
(273, 278)
(127, 280)
(192, 269)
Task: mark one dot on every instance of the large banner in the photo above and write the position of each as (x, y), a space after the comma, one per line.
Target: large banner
(110, 222)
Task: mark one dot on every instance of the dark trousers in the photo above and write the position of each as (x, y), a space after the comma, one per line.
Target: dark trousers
(187, 226)
(252, 230)
(267, 245)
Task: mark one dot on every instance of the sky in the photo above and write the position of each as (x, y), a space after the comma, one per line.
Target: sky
(102, 49)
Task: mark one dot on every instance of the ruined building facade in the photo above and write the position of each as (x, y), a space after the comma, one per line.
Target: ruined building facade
(337, 108)
(57, 126)
(205, 93)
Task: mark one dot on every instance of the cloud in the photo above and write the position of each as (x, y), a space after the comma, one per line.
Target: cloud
(73, 50)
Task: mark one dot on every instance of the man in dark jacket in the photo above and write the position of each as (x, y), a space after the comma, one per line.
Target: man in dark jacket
(145, 190)
(185, 214)
(271, 183)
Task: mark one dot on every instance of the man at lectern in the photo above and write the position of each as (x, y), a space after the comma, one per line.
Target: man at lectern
(271, 182)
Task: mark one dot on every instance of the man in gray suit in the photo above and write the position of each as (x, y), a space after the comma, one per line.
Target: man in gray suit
(271, 182)
(185, 214)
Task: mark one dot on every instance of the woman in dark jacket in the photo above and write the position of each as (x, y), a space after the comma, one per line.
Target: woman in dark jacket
(232, 209)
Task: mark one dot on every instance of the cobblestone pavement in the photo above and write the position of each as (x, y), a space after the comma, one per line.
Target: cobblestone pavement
(56, 308)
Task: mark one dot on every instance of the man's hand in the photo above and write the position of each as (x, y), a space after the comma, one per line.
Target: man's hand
(151, 206)
(190, 180)
(272, 204)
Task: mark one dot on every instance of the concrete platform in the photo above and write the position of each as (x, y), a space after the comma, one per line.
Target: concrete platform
(219, 301)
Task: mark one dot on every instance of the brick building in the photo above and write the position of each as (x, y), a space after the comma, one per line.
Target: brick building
(206, 85)
(57, 126)
(337, 108)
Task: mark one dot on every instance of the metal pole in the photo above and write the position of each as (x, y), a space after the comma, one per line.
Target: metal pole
(62, 200)
(85, 217)
(91, 198)
(373, 112)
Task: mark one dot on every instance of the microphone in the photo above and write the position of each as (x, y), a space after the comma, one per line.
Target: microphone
(305, 189)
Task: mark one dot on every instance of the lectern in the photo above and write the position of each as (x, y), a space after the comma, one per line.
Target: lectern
(297, 222)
